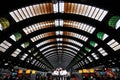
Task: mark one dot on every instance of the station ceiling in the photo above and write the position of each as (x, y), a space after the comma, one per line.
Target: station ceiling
(47, 34)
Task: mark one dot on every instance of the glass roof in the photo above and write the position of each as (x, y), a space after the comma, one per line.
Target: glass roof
(74, 33)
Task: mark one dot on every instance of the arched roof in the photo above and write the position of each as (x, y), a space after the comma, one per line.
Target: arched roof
(46, 34)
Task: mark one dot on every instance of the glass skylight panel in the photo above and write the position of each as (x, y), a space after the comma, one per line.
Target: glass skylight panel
(31, 11)
(91, 12)
(44, 42)
(85, 10)
(14, 16)
(70, 50)
(42, 36)
(69, 53)
(37, 26)
(90, 59)
(46, 47)
(1, 28)
(4, 46)
(59, 44)
(61, 7)
(50, 53)
(33, 61)
(59, 39)
(48, 50)
(59, 32)
(24, 56)
(103, 52)
(73, 47)
(103, 15)
(75, 42)
(36, 53)
(114, 45)
(16, 52)
(37, 9)
(83, 63)
(25, 12)
(86, 61)
(18, 15)
(55, 7)
(78, 25)
(57, 22)
(95, 56)
(84, 38)
(118, 24)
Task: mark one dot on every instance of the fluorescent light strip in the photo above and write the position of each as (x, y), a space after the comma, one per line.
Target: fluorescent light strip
(31, 11)
(114, 45)
(85, 10)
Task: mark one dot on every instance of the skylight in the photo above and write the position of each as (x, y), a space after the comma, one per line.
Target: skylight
(31, 11)
(95, 56)
(80, 26)
(16, 53)
(59, 22)
(103, 52)
(114, 45)
(81, 37)
(38, 26)
(76, 48)
(44, 42)
(24, 56)
(48, 50)
(38, 37)
(46, 47)
(85, 10)
(4, 46)
(90, 59)
(75, 42)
